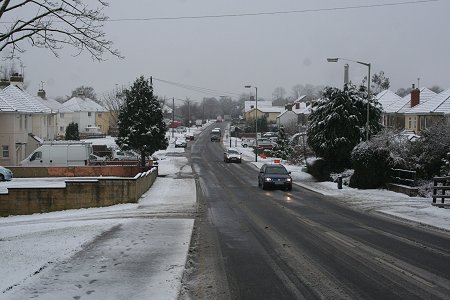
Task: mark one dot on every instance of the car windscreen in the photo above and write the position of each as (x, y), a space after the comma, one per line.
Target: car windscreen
(233, 152)
(276, 170)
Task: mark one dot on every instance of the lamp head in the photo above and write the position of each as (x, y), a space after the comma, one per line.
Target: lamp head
(332, 59)
(248, 86)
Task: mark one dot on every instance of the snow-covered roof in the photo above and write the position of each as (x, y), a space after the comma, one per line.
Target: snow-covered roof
(13, 99)
(52, 104)
(303, 109)
(387, 98)
(272, 109)
(440, 103)
(403, 105)
(249, 105)
(300, 99)
(82, 104)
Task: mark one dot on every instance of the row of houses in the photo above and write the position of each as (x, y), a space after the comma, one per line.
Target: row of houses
(27, 120)
(415, 112)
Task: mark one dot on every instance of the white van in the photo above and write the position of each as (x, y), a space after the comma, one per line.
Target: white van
(59, 153)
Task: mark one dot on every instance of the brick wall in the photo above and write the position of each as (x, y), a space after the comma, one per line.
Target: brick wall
(77, 194)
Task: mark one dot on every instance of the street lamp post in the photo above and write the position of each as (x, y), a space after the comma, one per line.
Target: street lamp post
(368, 87)
(256, 120)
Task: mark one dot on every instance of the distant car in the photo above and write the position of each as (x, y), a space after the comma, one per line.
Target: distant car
(5, 174)
(215, 138)
(189, 136)
(96, 160)
(247, 143)
(180, 143)
(232, 155)
(275, 176)
(265, 144)
(124, 155)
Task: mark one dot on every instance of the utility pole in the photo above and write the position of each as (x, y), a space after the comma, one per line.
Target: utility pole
(173, 115)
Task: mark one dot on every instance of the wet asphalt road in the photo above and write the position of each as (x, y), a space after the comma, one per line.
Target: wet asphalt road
(301, 245)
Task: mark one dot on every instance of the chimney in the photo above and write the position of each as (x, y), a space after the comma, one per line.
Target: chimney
(297, 105)
(345, 73)
(288, 107)
(17, 80)
(41, 93)
(415, 96)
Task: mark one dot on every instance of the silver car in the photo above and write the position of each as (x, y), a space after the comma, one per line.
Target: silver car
(5, 174)
(232, 154)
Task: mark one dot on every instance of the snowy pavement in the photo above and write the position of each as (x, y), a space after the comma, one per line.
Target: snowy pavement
(141, 249)
(127, 251)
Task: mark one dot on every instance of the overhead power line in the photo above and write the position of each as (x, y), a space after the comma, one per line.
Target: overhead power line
(197, 89)
(314, 10)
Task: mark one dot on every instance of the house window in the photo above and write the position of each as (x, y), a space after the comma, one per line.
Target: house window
(61, 128)
(61, 115)
(89, 114)
(5, 151)
(99, 115)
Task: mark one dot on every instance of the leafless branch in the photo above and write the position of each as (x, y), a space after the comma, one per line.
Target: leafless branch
(56, 23)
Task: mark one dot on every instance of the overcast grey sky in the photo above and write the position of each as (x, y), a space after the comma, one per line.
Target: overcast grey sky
(268, 51)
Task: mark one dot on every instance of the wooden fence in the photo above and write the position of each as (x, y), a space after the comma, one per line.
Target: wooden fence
(440, 187)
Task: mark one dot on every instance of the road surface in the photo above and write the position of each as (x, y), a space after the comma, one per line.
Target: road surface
(255, 244)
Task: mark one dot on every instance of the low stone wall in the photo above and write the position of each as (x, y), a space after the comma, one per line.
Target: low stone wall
(78, 171)
(77, 194)
(404, 189)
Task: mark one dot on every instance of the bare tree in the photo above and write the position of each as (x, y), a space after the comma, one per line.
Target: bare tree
(279, 93)
(53, 25)
(112, 101)
(86, 91)
(437, 89)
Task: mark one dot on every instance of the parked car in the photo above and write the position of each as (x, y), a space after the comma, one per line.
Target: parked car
(180, 143)
(231, 155)
(96, 160)
(247, 143)
(275, 176)
(189, 136)
(124, 155)
(265, 144)
(5, 174)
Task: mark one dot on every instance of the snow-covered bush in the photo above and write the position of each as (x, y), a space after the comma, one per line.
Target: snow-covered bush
(371, 165)
(319, 169)
(428, 154)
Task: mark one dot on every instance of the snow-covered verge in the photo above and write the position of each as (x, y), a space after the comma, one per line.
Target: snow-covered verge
(62, 255)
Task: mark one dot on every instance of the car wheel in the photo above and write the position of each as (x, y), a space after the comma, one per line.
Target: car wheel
(289, 188)
(240, 161)
(2, 178)
(264, 186)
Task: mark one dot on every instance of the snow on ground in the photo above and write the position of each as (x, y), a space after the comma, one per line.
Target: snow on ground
(38, 246)
(35, 247)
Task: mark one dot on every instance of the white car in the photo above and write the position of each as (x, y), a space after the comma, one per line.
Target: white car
(5, 174)
(232, 154)
(96, 160)
(180, 143)
(124, 155)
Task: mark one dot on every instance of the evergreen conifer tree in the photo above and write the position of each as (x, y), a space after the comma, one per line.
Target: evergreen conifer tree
(283, 149)
(141, 122)
(337, 123)
(72, 133)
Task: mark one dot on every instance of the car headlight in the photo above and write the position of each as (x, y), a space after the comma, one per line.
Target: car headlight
(268, 179)
(288, 179)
